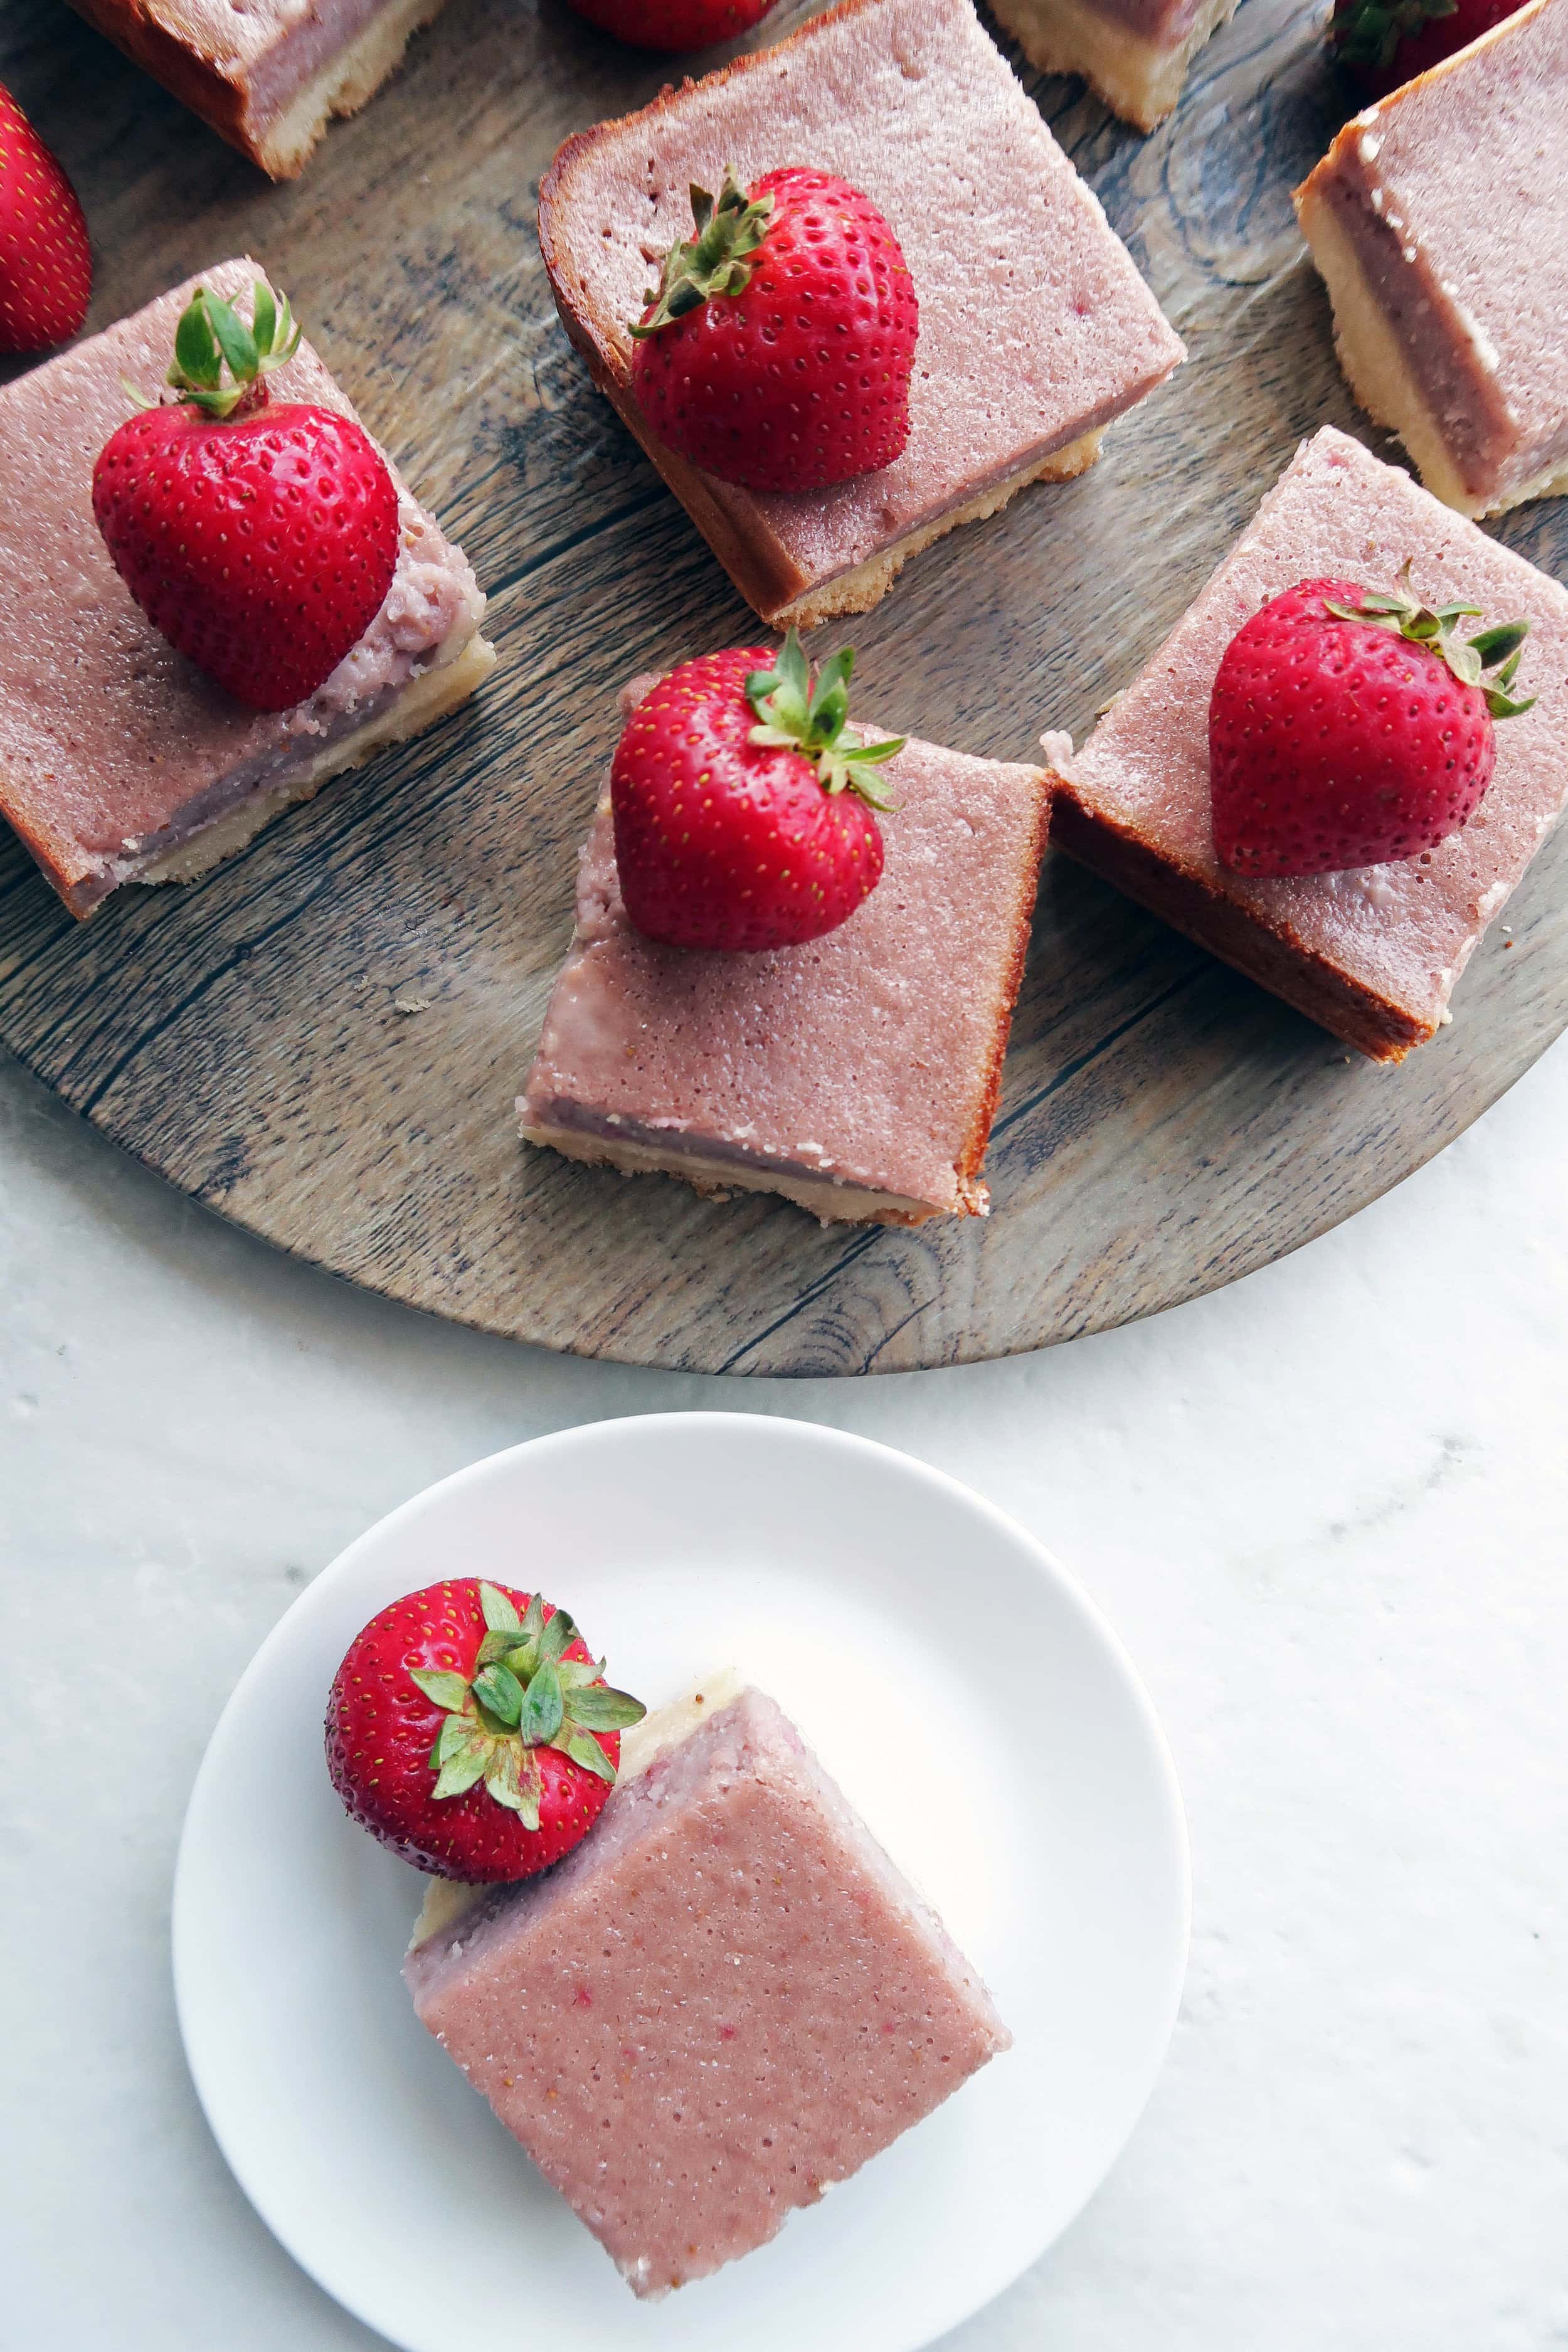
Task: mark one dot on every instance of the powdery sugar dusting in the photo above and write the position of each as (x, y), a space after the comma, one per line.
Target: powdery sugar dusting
(1407, 928)
(724, 2000)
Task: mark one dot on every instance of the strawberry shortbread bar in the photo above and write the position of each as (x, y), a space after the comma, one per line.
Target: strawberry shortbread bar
(1437, 220)
(1372, 952)
(855, 1073)
(267, 75)
(1035, 329)
(723, 2001)
(120, 762)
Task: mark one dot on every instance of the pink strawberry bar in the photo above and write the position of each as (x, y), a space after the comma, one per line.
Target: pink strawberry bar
(856, 1075)
(724, 2000)
(1438, 222)
(267, 74)
(1035, 329)
(1373, 953)
(119, 760)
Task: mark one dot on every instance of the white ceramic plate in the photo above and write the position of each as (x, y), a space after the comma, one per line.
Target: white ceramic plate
(872, 1597)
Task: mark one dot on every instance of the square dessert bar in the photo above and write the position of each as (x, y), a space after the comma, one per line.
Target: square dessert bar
(1134, 54)
(1373, 953)
(724, 2000)
(1438, 220)
(856, 1074)
(1034, 327)
(120, 762)
(266, 74)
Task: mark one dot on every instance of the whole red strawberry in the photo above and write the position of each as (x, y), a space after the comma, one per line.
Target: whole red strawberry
(470, 1730)
(742, 816)
(671, 25)
(1384, 43)
(1348, 726)
(45, 262)
(777, 351)
(260, 540)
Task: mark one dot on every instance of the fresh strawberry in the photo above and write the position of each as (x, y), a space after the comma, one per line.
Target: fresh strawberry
(1348, 726)
(471, 1731)
(1383, 43)
(45, 262)
(777, 350)
(742, 815)
(671, 25)
(260, 540)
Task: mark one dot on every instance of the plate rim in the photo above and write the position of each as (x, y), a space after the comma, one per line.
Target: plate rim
(786, 1431)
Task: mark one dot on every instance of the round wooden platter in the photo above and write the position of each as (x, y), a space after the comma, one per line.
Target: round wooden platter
(324, 1039)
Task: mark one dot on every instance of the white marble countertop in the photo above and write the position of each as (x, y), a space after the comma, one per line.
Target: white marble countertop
(1326, 1510)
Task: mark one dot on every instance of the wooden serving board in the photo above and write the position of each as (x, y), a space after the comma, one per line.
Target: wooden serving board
(1164, 1126)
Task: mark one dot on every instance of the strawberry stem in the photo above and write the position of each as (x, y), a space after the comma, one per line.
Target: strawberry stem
(1501, 648)
(717, 260)
(211, 334)
(796, 715)
(1369, 35)
(525, 1694)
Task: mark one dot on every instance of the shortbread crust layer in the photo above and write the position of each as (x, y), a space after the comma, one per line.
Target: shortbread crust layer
(1140, 74)
(267, 76)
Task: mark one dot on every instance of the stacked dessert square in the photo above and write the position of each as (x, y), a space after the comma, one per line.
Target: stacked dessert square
(665, 1947)
(725, 2000)
(1437, 220)
(267, 75)
(1370, 951)
(1035, 329)
(856, 1074)
(119, 760)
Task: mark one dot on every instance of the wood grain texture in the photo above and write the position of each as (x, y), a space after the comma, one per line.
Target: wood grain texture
(1164, 1126)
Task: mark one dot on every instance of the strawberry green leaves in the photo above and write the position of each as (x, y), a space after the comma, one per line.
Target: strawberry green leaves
(502, 1695)
(212, 333)
(525, 1694)
(796, 715)
(1369, 34)
(715, 261)
(1501, 648)
(449, 1691)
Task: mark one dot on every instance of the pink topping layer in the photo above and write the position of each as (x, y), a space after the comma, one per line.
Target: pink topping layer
(1034, 324)
(869, 1056)
(1406, 929)
(724, 1999)
(1452, 191)
(112, 747)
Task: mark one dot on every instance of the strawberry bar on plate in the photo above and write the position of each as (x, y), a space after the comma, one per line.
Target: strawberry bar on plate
(1035, 329)
(120, 762)
(725, 1999)
(266, 74)
(1438, 222)
(1134, 54)
(1372, 953)
(856, 1073)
